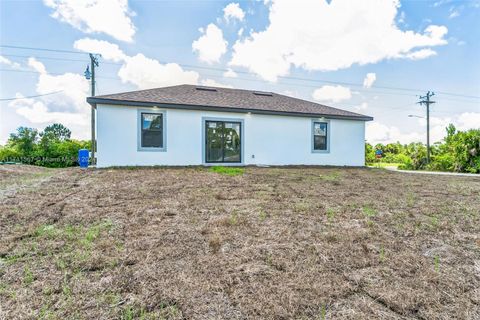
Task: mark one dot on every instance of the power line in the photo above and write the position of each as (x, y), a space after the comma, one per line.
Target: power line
(245, 79)
(43, 57)
(34, 96)
(41, 49)
(219, 77)
(50, 73)
(249, 73)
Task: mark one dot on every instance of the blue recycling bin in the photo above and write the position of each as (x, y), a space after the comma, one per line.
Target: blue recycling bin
(83, 156)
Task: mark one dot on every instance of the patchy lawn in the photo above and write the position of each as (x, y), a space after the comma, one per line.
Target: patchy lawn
(196, 243)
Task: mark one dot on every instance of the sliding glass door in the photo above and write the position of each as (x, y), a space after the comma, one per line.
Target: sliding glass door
(222, 141)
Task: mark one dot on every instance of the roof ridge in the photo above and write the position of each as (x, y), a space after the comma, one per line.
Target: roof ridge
(231, 99)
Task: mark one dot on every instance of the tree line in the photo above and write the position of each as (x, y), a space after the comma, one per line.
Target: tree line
(459, 151)
(51, 147)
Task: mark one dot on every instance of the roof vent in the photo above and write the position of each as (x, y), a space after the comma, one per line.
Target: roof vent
(206, 89)
(261, 93)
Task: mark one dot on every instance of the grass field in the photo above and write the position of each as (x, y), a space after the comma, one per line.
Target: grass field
(259, 243)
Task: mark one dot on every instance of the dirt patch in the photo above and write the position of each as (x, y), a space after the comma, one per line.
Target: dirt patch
(269, 243)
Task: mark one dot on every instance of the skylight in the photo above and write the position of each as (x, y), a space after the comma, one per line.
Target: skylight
(206, 89)
(261, 93)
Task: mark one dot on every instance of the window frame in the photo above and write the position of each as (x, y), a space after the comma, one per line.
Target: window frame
(312, 135)
(204, 140)
(223, 141)
(163, 113)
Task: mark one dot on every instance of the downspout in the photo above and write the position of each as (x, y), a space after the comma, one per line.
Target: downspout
(93, 144)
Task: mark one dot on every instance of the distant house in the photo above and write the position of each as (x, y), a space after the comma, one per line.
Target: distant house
(197, 125)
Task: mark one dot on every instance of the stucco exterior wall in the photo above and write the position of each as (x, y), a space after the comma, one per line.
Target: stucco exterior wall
(267, 139)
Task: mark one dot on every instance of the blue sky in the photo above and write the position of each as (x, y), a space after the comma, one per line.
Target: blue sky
(356, 55)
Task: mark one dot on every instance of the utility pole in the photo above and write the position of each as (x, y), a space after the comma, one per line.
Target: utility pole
(427, 102)
(91, 76)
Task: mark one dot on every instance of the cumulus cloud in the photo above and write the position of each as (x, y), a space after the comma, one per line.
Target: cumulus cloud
(147, 73)
(36, 65)
(369, 80)
(377, 132)
(233, 11)
(108, 50)
(10, 63)
(112, 17)
(37, 112)
(318, 35)
(67, 107)
(332, 93)
(230, 74)
(213, 83)
(211, 45)
(73, 87)
(361, 107)
(420, 54)
(139, 70)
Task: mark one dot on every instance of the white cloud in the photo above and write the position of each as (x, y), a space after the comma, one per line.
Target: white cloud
(5, 60)
(362, 106)
(332, 93)
(369, 80)
(401, 17)
(37, 112)
(317, 35)
(146, 73)
(468, 120)
(230, 74)
(10, 63)
(380, 133)
(420, 54)
(74, 89)
(454, 14)
(233, 11)
(211, 45)
(376, 132)
(67, 107)
(213, 83)
(290, 93)
(240, 32)
(111, 17)
(139, 70)
(108, 50)
(36, 65)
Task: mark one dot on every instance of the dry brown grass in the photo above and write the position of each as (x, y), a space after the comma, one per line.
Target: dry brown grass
(273, 243)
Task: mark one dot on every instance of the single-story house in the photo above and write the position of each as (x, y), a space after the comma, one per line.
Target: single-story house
(197, 125)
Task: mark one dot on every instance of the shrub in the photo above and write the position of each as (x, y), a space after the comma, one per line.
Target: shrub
(50, 148)
(459, 151)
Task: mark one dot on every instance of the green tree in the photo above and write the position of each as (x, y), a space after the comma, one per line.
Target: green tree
(369, 153)
(51, 148)
(460, 151)
(56, 132)
(24, 141)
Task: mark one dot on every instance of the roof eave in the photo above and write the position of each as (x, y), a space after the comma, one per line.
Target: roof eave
(95, 101)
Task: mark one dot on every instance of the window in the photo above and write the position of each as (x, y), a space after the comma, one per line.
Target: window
(320, 136)
(151, 131)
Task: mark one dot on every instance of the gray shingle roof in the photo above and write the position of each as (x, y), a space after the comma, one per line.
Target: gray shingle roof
(224, 99)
